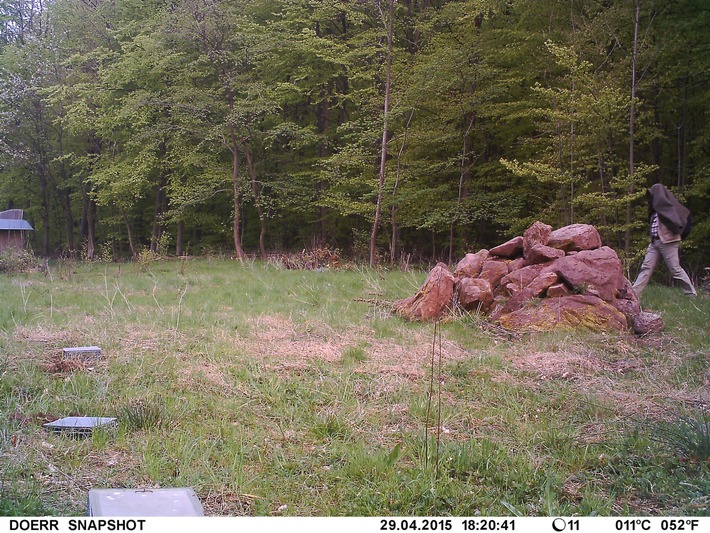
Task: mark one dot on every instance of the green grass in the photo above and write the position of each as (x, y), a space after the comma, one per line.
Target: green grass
(296, 392)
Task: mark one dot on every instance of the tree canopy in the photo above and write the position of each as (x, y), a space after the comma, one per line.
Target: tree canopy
(385, 128)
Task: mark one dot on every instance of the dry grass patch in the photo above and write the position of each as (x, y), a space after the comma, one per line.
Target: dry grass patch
(205, 377)
(649, 389)
(228, 504)
(295, 346)
(582, 367)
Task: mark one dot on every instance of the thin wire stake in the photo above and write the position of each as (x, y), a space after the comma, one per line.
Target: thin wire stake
(429, 399)
(438, 399)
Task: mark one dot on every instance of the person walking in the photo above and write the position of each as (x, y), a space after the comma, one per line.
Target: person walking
(668, 219)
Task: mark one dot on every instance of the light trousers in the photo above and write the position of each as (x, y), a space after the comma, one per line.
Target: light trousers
(669, 252)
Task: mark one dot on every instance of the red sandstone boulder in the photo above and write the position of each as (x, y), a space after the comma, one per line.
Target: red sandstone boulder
(493, 271)
(557, 290)
(538, 233)
(432, 300)
(521, 278)
(537, 287)
(566, 312)
(511, 289)
(595, 271)
(575, 237)
(645, 323)
(470, 266)
(511, 249)
(542, 254)
(474, 294)
(626, 301)
(516, 264)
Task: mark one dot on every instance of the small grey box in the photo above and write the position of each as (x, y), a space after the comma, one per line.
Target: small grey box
(82, 352)
(80, 425)
(144, 502)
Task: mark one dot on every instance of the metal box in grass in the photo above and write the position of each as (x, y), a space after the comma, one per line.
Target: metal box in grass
(144, 502)
(82, 353)
(81, 425)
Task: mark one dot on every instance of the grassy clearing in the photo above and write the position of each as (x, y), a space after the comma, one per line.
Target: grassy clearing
(296, 393)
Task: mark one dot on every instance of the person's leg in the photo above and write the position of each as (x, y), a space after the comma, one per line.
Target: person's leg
(671, 257)
(647, 267)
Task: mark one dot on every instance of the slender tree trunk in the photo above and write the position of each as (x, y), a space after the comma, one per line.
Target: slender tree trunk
(236, 225)
(156, 231)
(632, 116)
(90, 228)
(385, 124)
(323, 123)
(464, 177)
(44, 201)
(601, 164)
(681, 136)
(180, 238)
(64, 196)
(129, 231)
(394, 242)
(234, 148)
(257, 201)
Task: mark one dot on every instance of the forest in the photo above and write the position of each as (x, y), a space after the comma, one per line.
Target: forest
(391, 130)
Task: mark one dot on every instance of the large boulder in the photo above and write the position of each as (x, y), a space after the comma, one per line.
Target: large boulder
(474, 294)
(538, 233)
(522, 277)
(626, 301)
(575, 237)
(432, 300)
(540, 253)
(510, 250)
(645, 323)
(536, 288)
(566, 312)
(592, 271)
(470, 266)
(516, 264)
(493, 271)
(559, 289)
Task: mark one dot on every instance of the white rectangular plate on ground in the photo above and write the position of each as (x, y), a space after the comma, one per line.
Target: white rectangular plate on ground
(144, 502)
(81, 425)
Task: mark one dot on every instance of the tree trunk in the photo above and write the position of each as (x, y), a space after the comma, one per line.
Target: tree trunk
(394, 242)
(464, 177)
(157, 229)
(179, 238)
(383, 153)
(681, 137)
(64, 195)
(65, 201)
(632, 115)
(44, 200)
(234, 148)
(257, 201)
(90, 228)
(129, 231)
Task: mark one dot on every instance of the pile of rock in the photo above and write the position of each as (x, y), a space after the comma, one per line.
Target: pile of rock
(541, 280)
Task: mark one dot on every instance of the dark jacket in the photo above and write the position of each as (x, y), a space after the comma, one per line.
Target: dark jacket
(671, 213)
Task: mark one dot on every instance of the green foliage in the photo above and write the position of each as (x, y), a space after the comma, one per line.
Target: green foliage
(687, 437)
(143, 413)
(13, 261)
(261, 121)
(14, 504)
